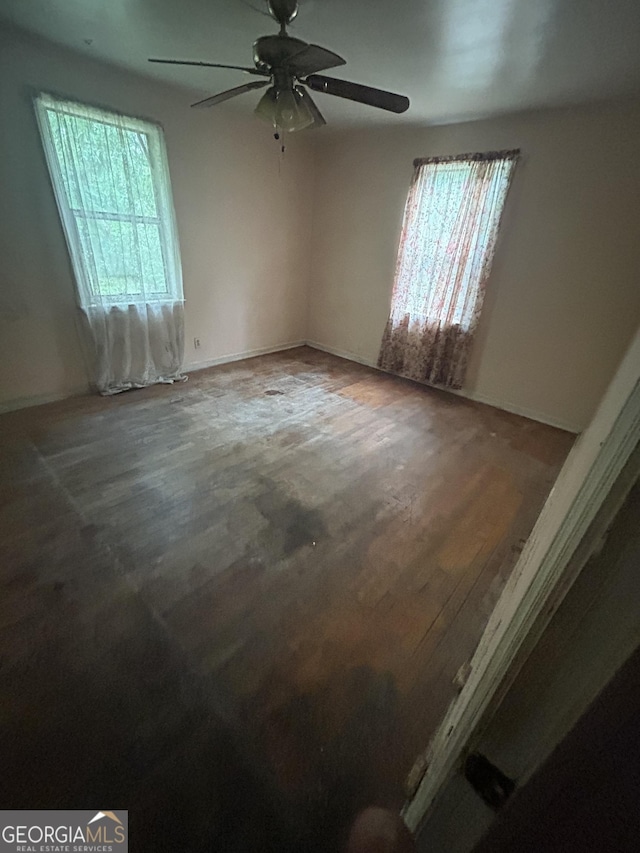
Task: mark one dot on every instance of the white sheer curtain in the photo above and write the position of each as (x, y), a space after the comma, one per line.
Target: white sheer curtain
(111, 181)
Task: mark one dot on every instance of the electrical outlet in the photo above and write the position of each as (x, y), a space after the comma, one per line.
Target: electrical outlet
(196, 343)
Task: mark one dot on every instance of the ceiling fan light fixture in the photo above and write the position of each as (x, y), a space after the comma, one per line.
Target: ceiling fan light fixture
(286, 64)
(310, 104)
(292, 113)
(285, 109)
(266, 109)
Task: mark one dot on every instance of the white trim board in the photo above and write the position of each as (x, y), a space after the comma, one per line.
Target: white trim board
(542, 575)
(25, 402)
(41, 399)
(523, 411)
(346, 354)
(239, 356)
(79, 391)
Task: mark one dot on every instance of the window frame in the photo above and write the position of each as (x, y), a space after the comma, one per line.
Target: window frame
(46, 103)
(463, 163)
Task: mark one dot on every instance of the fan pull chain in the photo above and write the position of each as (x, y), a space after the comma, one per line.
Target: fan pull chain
(279, 137)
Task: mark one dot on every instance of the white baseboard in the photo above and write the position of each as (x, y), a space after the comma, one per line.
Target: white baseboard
(41, 399)
(350, 356)
(239, 356)
(505, 405)
(24, 402)
(523, 411)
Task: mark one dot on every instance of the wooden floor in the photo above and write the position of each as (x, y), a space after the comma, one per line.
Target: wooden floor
(237, 606)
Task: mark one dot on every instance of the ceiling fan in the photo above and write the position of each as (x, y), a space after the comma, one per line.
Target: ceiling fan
(290, 64)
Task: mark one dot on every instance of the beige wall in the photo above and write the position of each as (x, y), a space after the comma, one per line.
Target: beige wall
(562, 303)
(564, 297)
(243, 223)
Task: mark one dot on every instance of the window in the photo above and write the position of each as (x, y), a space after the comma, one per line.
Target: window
(448, 238)
(111, 181)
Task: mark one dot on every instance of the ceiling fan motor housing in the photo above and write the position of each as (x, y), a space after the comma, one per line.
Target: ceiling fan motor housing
(290, 67)
(284, 11)
(271, 52)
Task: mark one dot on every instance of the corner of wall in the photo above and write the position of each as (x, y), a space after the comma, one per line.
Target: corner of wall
(312, 156)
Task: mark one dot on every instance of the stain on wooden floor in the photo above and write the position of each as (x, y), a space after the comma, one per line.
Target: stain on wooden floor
(237, 606)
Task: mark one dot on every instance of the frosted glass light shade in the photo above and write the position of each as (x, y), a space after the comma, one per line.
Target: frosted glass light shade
(285, 110)
(266, 109)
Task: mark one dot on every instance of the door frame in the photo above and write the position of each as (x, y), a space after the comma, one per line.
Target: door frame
(541, 577)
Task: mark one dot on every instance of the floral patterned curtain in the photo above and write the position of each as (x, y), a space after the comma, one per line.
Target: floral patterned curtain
(451, 222)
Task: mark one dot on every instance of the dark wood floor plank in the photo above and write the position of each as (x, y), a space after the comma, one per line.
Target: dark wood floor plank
(263, 581)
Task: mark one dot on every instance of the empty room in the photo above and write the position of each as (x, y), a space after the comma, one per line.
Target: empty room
(304, 309)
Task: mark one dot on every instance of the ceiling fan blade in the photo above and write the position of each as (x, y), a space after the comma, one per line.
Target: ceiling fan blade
(209, 65)
(318, 118)
(356, 92)
(231, 93)
(314, 58)
(255, 8)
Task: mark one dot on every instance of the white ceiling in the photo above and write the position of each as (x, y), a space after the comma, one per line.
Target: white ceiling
(454, 58)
